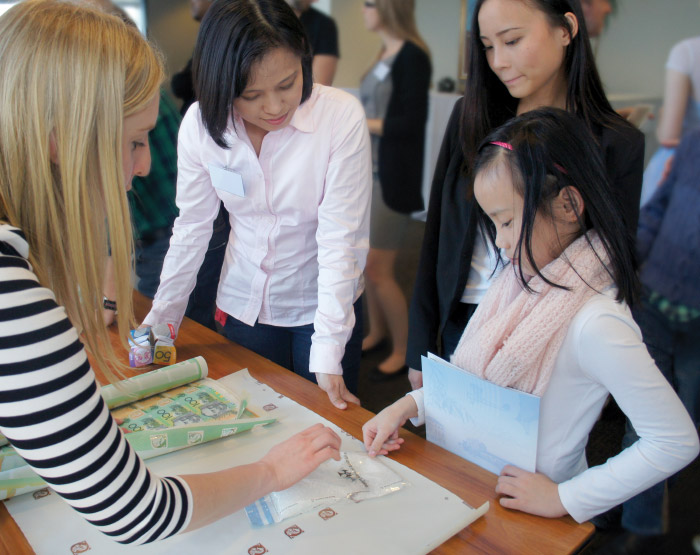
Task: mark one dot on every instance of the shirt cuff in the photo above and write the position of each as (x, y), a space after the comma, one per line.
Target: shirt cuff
(164, 312)
(567, 496)
(417, 395)
(325, 359)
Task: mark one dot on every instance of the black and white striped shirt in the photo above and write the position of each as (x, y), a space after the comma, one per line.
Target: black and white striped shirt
(52, 413)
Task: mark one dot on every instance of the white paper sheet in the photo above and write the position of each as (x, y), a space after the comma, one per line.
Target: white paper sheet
(414, 520)
(480, 421)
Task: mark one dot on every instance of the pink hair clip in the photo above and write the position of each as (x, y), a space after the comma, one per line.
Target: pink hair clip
(502, 144)
(561, 169)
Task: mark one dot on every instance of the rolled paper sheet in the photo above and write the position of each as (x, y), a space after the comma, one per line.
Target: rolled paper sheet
(156, 381)
(150, 443)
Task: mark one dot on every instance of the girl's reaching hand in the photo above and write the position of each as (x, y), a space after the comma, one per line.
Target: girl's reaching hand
(381, 433)
(529, 492)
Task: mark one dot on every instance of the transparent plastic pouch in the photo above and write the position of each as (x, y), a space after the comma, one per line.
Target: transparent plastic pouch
(355, 478)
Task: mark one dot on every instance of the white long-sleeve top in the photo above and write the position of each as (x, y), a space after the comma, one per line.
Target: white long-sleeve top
(299, 235)
(52, 413)
(603, 353)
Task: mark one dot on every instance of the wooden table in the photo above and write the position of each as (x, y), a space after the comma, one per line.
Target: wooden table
(499, 531)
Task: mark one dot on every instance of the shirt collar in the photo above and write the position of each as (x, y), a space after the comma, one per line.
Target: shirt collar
(302, 120)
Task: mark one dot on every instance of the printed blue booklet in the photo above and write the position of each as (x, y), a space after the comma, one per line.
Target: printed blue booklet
(482, 422)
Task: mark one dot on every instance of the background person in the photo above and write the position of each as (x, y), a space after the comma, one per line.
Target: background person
(153, 210)
(394, 93)
(595, 13)
(65, 167)
(668, 242)
(323, 34)
(680, 113)
(181, 83)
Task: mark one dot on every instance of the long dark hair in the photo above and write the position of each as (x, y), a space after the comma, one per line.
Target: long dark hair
(487, 102)
(553, 149)
(234, 35)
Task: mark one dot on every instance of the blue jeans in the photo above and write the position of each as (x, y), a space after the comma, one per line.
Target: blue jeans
(290, 347)
(149, 255)
(675, 348)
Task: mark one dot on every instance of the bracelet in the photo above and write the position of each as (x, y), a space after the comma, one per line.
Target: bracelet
(109, 305)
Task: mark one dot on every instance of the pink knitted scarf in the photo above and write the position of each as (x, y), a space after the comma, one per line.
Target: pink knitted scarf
(514, 336)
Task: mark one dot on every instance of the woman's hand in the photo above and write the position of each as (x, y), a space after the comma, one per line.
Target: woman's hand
(334, 385)
(293, 459)
(529, 492)
(381, 433)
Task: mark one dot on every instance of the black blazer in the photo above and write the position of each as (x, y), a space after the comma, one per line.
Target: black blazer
(450, 229)
(403, 139)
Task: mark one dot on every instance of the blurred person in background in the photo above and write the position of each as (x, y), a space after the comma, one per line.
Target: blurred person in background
(394, 93)
(323, 34)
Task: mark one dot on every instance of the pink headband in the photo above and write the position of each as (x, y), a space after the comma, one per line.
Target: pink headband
(502, 144)
(509, 146)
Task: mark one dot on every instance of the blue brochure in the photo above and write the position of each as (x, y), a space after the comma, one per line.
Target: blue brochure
(482, 422)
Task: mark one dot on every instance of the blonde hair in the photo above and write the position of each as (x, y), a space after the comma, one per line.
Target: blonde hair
(398, 17)
(70, 75)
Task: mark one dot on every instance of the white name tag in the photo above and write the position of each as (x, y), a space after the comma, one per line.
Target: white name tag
(381, 70)
(226, 180)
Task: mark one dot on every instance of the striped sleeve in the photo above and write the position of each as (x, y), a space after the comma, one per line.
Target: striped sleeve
(51, 411)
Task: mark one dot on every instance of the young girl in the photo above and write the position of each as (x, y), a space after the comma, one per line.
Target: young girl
(65, 165)
(291, 162)
(394, 93)
(556, 323)
(524, 54)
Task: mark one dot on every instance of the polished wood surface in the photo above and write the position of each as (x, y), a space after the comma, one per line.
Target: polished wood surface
(499, 531)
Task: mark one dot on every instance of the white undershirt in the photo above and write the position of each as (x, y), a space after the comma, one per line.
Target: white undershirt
(482, 265)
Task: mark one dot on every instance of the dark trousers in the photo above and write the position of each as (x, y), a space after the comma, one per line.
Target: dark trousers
(290, 346)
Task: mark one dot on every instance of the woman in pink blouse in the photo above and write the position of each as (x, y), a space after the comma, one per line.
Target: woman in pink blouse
(291, 162)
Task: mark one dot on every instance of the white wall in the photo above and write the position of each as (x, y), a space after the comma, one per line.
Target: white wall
(439, 23)
(358, 47)
(437, 20)
(632, 51)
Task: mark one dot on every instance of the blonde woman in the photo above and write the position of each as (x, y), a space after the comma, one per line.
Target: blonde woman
(394, 93)
(66, 161)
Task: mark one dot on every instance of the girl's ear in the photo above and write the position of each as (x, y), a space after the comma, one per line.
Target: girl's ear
(569, 204)
(573, 24)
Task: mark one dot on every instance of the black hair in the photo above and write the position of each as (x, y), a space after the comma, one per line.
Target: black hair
(487, 102)
(553, 149)
(234, 35)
